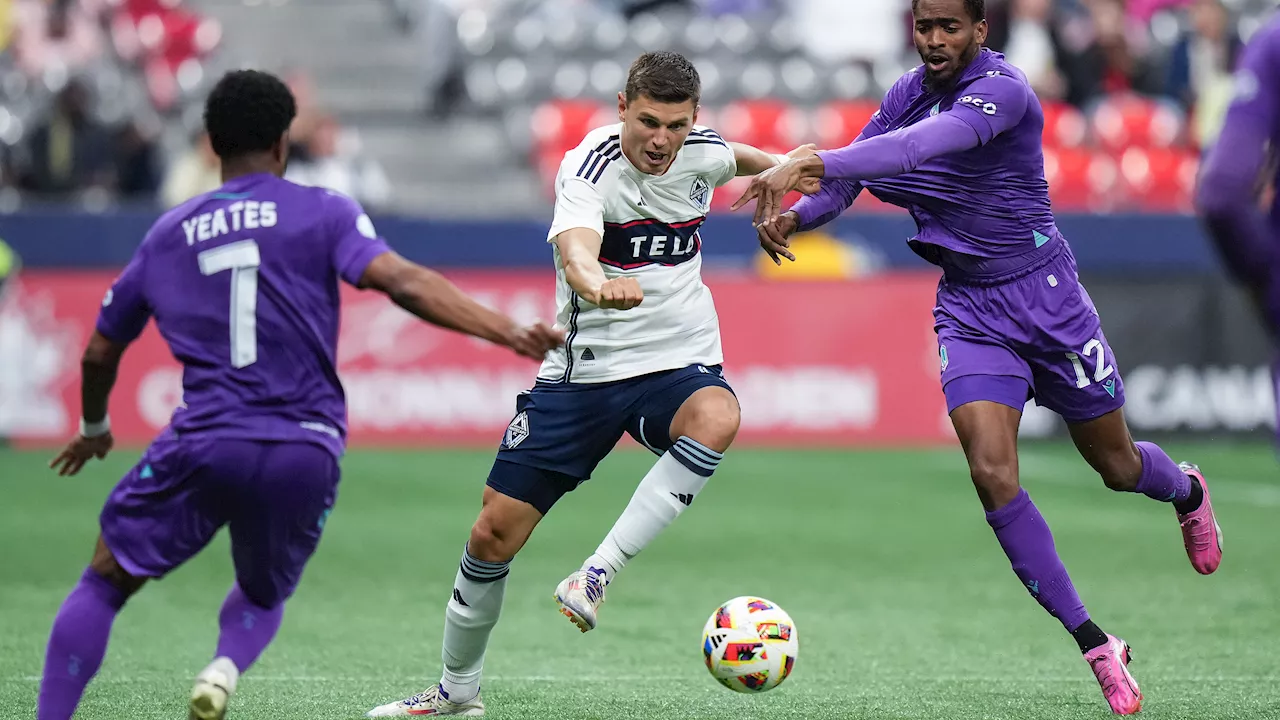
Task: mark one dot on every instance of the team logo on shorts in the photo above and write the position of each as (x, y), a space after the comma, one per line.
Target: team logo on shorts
(517, 431)
(942, 356)
(700, 192)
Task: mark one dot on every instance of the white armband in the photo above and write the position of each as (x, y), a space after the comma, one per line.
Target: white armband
(98, 429)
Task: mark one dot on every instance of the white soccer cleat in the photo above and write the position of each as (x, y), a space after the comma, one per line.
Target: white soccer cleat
(213, 690)
(430, 702)
(580, 596)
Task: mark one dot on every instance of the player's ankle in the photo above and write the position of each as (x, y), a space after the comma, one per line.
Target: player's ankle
(1089, 636)
(1194, 499)
(459, 690)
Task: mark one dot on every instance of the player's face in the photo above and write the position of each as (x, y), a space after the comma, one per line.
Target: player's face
(653, 132)
(946, 38)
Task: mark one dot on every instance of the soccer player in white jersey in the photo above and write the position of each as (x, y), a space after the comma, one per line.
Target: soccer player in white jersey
(642, 356)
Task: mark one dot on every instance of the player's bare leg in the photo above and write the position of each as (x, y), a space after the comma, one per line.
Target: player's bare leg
(701, 431)
(503, 527)
(988, 432)
(1142, 467)
(78, 641)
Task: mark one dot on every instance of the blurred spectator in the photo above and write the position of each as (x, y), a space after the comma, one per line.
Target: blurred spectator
(136, 161)
(6, 23)
(1030, 46)
(332, 159)
(1201, 65)
(71, 151)
(632, 8)
(1102, 51)
(55, 32)
(839, 31)
(197, 171)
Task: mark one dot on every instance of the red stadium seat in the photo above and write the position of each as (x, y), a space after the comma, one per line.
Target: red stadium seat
(838, 123)
(1082, 180)
(770, 125)
(1159, 180)
(559, 125)
(1125, 121)
(1064, 126)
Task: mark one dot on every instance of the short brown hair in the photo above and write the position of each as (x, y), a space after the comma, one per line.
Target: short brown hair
(666, 77)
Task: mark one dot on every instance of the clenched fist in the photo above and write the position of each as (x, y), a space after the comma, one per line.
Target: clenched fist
(621, 293)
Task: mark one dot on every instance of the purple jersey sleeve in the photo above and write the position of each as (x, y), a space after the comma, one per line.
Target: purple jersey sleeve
(900, 151)
(992, 105)
(1227, 193)
(356, 242)
(838, 194)
(125, 308)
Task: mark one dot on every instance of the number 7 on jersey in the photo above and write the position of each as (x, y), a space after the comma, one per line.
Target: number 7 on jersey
(242, 259)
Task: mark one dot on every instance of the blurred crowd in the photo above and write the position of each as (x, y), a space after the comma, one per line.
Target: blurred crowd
(100, 103)
(1077, 51)
(100, 98)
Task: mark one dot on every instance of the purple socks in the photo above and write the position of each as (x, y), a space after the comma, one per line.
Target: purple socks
(77, 644)
(1027, 542)
(246, 628)
(1161, 478)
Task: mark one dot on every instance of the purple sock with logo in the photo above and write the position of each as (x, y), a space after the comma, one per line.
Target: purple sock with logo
(77, 644)
(1028, 543)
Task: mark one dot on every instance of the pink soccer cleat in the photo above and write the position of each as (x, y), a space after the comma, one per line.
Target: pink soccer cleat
(1200, 531)
(1110, 665)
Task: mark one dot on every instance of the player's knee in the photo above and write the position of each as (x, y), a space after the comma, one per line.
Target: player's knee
(1121, 470)
(996, 478)
(490, 541)
(712, 419)
(110, 570)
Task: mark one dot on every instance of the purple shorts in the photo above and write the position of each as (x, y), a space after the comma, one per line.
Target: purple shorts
(1034, 335)
(273, 496)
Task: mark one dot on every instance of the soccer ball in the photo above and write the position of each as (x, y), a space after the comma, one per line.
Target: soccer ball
(750, 645)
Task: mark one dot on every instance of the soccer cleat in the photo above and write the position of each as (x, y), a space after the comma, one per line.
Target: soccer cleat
(1201, 533)
(213, 689)
(430, 702)
(580, 596)
(1110, 664)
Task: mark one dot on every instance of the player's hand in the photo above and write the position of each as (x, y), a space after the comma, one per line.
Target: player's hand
(621, 293)
(775, 239)
(803, 151)
(809, 185)
(768, 188)
(78, 451)
(536, 340)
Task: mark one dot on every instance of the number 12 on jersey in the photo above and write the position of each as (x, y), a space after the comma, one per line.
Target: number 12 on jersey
(242, 259)
(1102, 369)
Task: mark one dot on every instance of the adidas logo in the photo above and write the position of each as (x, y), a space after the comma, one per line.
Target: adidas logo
(587, 355)
(457, 597)
(686, 498)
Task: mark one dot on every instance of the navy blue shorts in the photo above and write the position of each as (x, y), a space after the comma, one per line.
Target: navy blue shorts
(561, 431)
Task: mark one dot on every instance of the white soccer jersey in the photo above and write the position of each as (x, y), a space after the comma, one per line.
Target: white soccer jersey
(649, 225)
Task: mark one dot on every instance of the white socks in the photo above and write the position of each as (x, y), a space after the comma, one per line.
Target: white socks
(664, 493)
(468, 620)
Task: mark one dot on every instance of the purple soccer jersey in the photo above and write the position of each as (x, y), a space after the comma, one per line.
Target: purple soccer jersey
(968, 164)
(243, 285)
(1242, 157)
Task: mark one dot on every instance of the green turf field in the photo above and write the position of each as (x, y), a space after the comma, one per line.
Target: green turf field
(905, 606)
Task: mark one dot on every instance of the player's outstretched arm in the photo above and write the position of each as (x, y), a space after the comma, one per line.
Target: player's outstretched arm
(433, 298)
(580, 257)
(98, 368)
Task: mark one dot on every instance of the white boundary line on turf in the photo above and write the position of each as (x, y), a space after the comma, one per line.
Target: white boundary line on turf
(1083, 678)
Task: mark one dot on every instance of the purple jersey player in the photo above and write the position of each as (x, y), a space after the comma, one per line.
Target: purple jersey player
(957, 142)
(1238, 165)
(243, 285)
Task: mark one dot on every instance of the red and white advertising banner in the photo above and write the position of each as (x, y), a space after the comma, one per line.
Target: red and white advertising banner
(818, 364)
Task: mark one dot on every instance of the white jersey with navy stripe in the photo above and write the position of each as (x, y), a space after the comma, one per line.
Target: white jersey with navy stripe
(649, 229)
